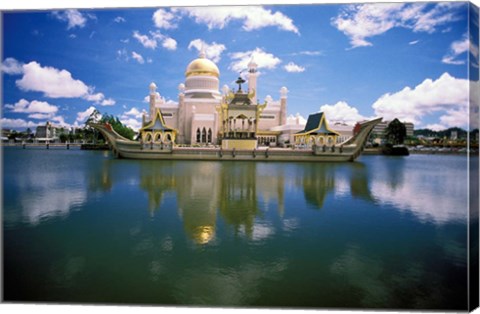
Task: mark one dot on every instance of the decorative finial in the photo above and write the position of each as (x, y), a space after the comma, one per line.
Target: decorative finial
(240, 81)
(252, 63)
(202, 53)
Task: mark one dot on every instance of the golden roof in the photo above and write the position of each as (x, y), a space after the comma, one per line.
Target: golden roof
(202, 66)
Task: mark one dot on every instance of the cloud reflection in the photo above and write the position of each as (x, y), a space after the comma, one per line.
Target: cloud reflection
(432, 192)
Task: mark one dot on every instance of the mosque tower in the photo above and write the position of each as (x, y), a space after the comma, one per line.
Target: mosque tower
(153, 98)
(283, 105)
(252, 80)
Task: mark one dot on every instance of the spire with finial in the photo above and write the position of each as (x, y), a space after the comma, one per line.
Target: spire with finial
(202, 53)
(252, 65)
(240, 81)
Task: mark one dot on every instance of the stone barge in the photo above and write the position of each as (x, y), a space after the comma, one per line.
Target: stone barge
(346, 151)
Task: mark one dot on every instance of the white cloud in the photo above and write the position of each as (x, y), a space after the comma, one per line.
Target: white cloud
(122, 54)
(35, 106)
(253, 17)
(296, 119)
(362, 21)
(132, 123)
(342, 112)
(73, 17)
(457, 48)
(169, 43)
(164, 19)
(292, 67)
(107, 102)
(60, 120)
(147, 98)
(17, 123)
(12, 66)
(309, 53)
(138, 57)
(132, 118)
(435, 127)
(133, 112)
(97, 98)
(262, 59)
(40, 116)
(414, 42)
(146, 41)
(213, 51)
(447, 94)
(83, 115)
(119, 19)
(155, 37)
(52, 82)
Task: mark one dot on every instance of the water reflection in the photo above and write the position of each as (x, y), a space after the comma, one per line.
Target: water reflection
(317, 180)
(239, 193)
(238, 233)
(39, 190)
(433, 190)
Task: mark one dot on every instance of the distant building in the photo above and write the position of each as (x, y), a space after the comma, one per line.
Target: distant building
(48, 132)
(379, 129)
(5, 134)
(454, 135)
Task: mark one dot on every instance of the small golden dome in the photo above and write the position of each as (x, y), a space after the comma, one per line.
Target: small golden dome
(202, 66)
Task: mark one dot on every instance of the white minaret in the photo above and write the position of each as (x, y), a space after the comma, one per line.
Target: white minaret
(283, 105)
(181, 113)
(252, 79)
(153, 94)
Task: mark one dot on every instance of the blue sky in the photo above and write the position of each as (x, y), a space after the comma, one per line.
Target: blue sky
(405, 60)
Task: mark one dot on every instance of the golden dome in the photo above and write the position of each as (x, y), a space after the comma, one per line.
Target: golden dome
(202, 66)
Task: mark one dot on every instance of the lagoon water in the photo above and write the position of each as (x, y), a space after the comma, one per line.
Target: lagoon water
(382, 232)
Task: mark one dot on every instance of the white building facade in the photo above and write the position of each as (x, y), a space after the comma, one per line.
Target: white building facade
(196, 115)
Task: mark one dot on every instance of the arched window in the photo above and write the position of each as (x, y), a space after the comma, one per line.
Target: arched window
(168, 138)
(148, 137)
(321, 140)
(158, 137)
(204, 135)
(209, 139)
(198, 135)
(330, 140)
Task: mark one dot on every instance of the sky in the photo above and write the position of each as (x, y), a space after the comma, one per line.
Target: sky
(411, 61)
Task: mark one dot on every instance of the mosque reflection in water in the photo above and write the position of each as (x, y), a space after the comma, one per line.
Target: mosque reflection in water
(236, 192)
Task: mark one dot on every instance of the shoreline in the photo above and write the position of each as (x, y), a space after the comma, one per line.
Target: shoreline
(227, 154)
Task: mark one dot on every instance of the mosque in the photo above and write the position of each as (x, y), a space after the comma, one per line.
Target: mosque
(204, 115)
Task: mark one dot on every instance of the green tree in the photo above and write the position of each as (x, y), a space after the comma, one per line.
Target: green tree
(118, 126)
(395, 132)
(63, 137)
